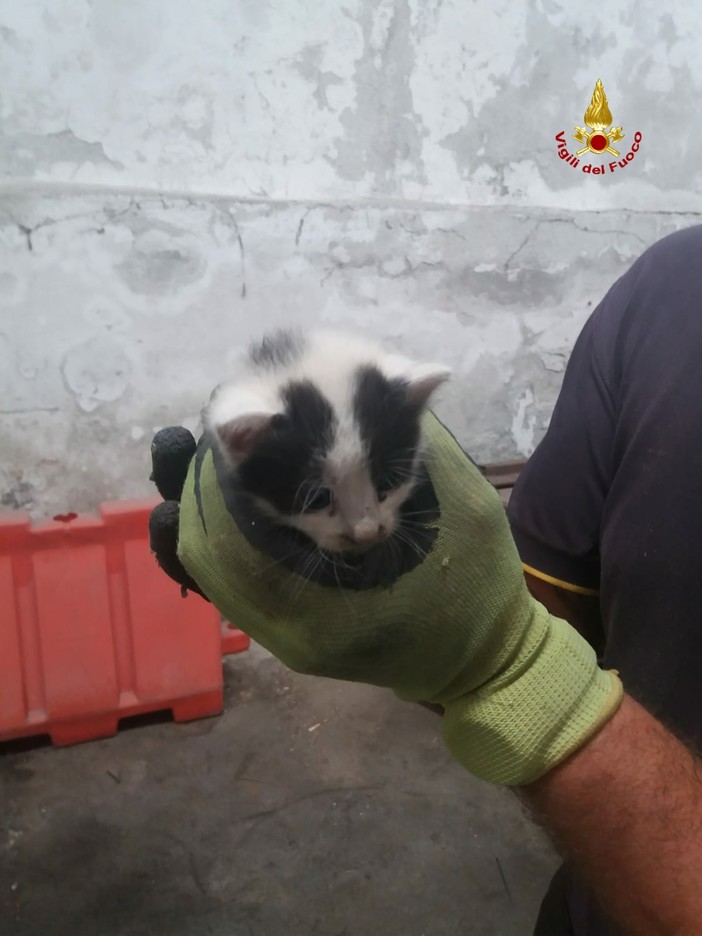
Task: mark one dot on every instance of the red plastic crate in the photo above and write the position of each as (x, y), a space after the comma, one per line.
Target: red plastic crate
(92, 631)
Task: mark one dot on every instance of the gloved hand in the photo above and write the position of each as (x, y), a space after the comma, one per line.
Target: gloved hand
(521, 689)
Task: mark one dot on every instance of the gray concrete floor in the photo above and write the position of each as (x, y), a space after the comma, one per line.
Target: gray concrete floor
(253, 824)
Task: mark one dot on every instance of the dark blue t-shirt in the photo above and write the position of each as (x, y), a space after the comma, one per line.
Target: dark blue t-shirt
(611, 500)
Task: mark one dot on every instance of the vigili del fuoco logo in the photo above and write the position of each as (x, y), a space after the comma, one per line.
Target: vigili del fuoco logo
(598, 135)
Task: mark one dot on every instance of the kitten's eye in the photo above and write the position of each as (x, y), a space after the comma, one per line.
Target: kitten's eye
(386, 482)
(322, 498)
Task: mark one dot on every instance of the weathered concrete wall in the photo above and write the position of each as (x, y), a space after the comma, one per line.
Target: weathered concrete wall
(178, 176)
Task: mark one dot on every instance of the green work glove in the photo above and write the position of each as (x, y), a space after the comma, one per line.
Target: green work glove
(521, 689)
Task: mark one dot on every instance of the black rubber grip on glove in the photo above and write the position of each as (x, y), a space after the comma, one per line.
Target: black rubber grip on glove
(163, 539)
(172, 450)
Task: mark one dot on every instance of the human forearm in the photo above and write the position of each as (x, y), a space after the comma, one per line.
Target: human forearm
(627, 810)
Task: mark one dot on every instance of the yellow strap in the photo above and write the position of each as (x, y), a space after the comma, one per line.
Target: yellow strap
(578, 589)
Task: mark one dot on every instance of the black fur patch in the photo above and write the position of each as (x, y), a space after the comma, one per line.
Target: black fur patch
(278, 349)
(389, 425)
(290, 451)
(380, 566)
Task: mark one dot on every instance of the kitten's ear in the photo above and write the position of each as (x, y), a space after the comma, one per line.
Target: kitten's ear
(424, 380)
(238, 416)
(239, 436)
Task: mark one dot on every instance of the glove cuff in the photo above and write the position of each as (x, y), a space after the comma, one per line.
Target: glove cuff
(544, 707)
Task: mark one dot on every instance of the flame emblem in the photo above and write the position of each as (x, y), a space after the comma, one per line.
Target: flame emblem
(598, 118)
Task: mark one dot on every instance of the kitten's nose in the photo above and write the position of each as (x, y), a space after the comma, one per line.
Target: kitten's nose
(367, 530)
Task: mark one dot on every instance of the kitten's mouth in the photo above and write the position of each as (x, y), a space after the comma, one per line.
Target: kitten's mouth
(353, 547)
(359, 549)
(356, 557)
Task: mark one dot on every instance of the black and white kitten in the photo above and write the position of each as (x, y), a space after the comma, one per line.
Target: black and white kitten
(319, 444)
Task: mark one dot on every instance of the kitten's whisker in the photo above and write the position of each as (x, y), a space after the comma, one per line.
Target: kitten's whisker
(341, 588)
(285, 558)
(295, 369)
(405, 538)
(313, 486)
(397, 554)
(392, 546)
(336, 560)
(305, 575)
(299, 490)
(309, 497)
(301, 571)
(339, 557)
(403, 460)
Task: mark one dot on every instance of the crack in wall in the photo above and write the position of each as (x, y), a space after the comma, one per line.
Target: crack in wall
(568, 221)
(240, 242)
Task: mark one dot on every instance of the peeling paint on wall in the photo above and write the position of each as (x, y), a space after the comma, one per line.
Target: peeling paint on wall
(433, 101)
(175, 178)
(98, 347)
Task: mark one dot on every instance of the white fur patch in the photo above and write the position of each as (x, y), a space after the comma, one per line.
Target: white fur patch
(330, 360)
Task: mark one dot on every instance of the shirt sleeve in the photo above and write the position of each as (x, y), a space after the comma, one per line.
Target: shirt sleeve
(557, 504)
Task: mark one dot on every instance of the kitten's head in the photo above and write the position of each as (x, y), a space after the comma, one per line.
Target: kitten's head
(324, 432)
